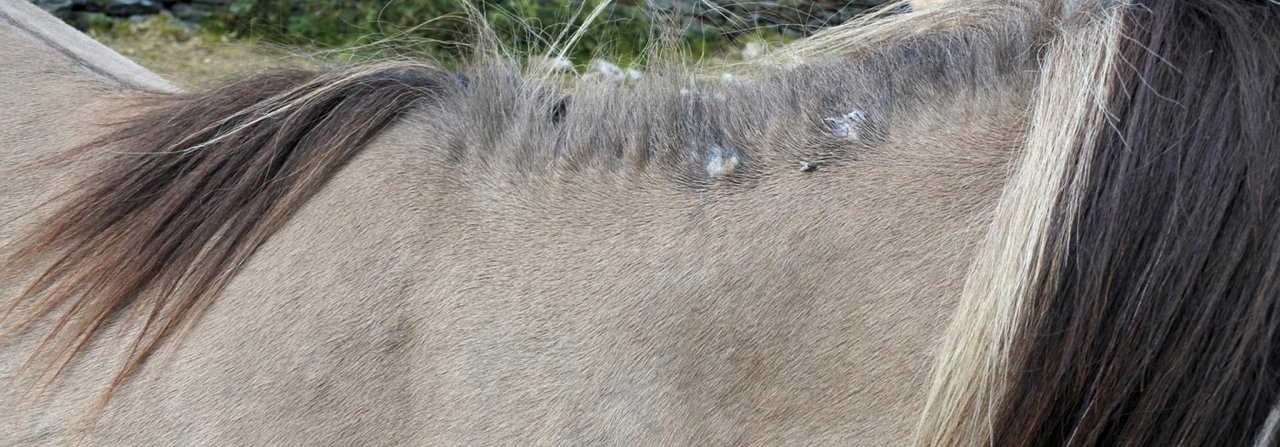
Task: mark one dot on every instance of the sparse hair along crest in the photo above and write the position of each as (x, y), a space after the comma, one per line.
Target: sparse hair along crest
(1127, 292)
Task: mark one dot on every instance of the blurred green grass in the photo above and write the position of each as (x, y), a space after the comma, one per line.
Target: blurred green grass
(442, 29)
(236, 37)
(194, 56)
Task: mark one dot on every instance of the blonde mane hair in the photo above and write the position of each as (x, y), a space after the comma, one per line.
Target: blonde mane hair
(973, 366)
(1005, 374)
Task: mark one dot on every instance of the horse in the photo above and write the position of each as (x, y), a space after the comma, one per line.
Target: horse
(973, 222)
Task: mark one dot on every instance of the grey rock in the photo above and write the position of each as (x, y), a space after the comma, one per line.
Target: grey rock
(125, 8)
(188, 13)
(608, 69)
(86, 6)
(60, 8)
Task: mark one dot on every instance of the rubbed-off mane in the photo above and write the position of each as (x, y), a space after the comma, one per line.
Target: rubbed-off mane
(1006, 222)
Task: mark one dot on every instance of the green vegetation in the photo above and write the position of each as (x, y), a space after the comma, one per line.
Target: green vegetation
(441, 28)
(186, 54)
(209, 40)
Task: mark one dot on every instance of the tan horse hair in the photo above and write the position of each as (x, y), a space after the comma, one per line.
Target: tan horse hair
(972, 371)
(982, 18)
(96, 58)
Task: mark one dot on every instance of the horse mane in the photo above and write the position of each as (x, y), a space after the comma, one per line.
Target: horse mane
(196, 183)
(1129, 291)
(193, 186)
(1126, 292)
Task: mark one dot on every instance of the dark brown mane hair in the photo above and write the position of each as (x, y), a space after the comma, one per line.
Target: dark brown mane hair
(1157, 320)
(194, 186)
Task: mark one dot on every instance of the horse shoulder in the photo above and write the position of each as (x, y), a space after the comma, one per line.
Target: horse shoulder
(58, 90)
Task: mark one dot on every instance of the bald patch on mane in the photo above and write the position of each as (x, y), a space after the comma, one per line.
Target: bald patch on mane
(696, 130)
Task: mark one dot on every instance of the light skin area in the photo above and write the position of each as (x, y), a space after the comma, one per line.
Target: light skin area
(416, 299)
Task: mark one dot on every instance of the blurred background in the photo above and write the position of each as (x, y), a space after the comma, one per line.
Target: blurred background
(202, 41)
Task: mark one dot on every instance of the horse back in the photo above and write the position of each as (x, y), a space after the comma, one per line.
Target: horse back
(40, 44)
(60, 90)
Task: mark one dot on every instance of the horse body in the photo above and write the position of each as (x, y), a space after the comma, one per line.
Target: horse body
(413, 300)
(506, 262)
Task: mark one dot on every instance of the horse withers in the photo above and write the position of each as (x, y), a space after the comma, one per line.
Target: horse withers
(983, 222)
